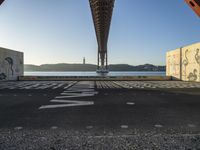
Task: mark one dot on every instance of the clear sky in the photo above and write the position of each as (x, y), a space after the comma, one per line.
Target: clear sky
(62, 31)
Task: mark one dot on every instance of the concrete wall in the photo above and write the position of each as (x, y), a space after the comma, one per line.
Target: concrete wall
(11, 64)
(173, 67)
(184, 63)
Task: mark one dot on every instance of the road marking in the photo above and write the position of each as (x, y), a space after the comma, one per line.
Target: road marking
(89, 127)
(18, 128)
(71, 104)
(158, 126)
(78, 90)
(66, 102)
(74, 96)
(130, 103)
(80, 103)
(54, 127)
(124, 126)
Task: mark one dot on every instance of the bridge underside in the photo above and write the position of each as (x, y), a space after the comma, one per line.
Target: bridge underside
(1, 1)
(102, 15)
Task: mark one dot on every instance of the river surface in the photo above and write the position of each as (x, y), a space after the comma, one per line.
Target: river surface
(112, 73)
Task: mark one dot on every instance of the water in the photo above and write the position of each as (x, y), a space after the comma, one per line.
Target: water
(132, 73)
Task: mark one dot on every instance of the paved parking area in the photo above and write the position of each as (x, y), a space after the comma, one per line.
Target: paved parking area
(116, 114)
(146, 84)
(27, 85)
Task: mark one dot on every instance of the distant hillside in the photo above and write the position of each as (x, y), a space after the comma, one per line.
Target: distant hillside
(91, 67)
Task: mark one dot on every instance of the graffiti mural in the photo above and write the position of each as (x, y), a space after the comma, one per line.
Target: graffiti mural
(197, 58)
(173, 64)
(11, 64)
(193, 75)
(6, 68)
(185, 63)
(190, 62)
(2, 76)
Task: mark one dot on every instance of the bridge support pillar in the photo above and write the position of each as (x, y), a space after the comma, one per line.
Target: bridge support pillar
(102, 62)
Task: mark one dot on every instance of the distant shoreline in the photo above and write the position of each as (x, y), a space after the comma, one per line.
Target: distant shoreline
(92, 68)
(94, 71)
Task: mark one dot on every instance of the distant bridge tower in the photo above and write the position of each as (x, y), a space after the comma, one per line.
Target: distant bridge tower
(102, 15)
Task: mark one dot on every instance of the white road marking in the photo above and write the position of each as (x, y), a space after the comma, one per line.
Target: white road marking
(18, 128)
(68, 101)
(158, 126)
(71, 104)
(74, 96)
(124, 126)
(130, 103)
(79, 90)
(54, 127)
(70, 84)
(89, 127)
(83, 90)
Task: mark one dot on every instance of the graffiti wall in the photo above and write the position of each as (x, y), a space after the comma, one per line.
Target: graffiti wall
(184, 63)
(173, 64)
(11, 64)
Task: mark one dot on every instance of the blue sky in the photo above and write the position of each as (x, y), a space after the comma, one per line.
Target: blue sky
(62, 31)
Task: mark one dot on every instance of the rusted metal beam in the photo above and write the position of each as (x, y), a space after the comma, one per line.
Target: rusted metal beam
(195, 5)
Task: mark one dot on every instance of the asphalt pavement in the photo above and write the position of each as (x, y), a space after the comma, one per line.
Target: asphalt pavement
(99, 115)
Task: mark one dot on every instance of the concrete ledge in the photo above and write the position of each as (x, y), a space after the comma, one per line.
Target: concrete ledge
(95, 78)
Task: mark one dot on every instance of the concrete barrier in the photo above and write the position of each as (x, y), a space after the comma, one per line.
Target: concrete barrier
(94, 78)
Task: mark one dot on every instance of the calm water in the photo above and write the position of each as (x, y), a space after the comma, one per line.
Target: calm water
(135, 73)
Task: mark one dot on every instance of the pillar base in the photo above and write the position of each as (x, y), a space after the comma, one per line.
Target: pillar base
(102, 71)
